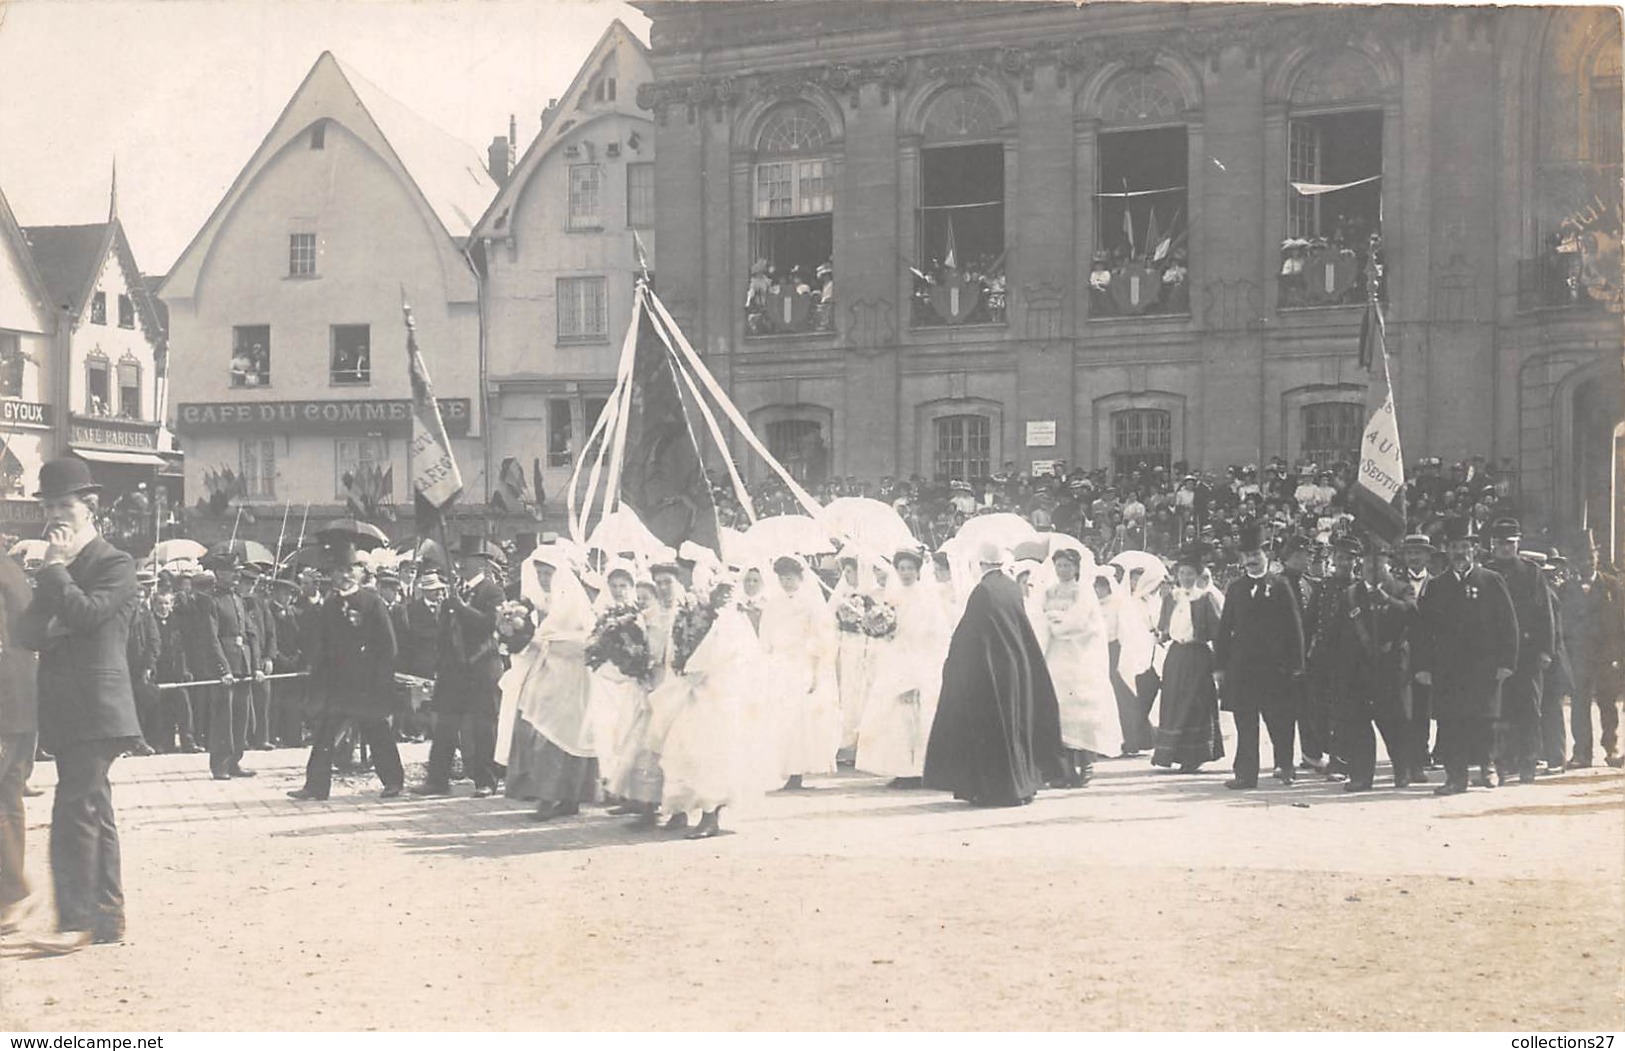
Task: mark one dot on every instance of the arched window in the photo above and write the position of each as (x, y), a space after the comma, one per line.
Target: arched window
(964, 448)
(1142, 439)
(802, 447)
(1334, 180)
(960, 225)
(793, 221)
(1142, 214)
(1332, 432)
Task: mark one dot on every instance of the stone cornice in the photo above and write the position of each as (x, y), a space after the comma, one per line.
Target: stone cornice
(1073, 58)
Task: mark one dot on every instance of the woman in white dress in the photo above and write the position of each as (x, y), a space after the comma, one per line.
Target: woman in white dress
(908, 679)
(638, 780)
(798, 644)
(617, 698)
(1075, 648)
(546, 693)
(856, 652)
(1130, 647)
(711, 754)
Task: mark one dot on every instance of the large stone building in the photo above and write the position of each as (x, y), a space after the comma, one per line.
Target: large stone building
(290, 383)
(1135, 233)
(560, 256)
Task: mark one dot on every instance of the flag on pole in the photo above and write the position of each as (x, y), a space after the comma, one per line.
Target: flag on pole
(1151, 231)
(662, 476)
(950, 259)
(1128, 227)
(436, 481)
(1379, 488)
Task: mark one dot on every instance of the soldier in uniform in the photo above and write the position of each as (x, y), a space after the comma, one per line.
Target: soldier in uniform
(1596, 612)
(1379, 612)
(1258, 652)
(1517, 733)
(1466, 647)
(231, 659)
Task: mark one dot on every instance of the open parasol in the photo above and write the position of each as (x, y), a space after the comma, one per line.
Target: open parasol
(363, 535)
(786, 535)
(866, 523)
(175, 550)
(1006, 530)
(622, 531)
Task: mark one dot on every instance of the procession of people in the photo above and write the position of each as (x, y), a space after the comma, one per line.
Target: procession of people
(674, 686)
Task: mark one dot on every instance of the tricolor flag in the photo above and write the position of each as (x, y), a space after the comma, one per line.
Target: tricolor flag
(436, 481)
(1379, 487)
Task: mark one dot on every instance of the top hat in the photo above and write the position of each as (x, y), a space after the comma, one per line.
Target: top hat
(1193, 554)
(64, 477)
(1251, 537)
(1461, 528)
(1293, 545)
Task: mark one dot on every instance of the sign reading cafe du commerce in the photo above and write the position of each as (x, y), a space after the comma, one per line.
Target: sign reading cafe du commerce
(385, 414)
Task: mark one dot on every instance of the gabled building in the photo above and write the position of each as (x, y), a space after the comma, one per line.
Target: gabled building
(111, 393)
(561, 258)
(285, 309)
(28, 408)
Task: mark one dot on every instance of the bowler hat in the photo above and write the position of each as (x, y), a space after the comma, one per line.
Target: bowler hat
(65, 476)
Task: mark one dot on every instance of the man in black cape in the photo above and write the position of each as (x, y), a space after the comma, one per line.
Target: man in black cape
(997, 735)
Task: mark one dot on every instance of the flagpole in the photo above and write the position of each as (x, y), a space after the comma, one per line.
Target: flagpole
(282, 534)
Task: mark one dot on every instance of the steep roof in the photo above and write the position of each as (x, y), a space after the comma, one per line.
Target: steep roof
(71, 258)
(447, 176)
(561, 122)
(37, 291)
(450, 173)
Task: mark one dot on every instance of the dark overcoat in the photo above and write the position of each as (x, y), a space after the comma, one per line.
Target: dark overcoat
(79, 623)
(469, 664)
(352, 658)
(1465, 630)
(19, 667)
(1259, 645)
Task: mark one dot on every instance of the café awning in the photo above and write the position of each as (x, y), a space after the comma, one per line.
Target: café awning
(109, 456)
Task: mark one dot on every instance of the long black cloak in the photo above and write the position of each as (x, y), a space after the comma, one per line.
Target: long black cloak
(997, 736)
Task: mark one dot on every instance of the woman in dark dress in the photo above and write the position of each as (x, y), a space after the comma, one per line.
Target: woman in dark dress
(1188, 732)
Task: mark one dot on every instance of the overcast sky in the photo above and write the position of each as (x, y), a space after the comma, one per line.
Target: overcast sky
(182, 91)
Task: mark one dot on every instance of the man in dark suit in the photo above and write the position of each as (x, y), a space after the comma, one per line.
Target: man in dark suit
(351, 654)
(1596, 621)
(1466, 646)
(466, 698)
(1518, 745)
(1259, 656)
(19, 713)
(1375, 639)
(79, 622)
(234, 651)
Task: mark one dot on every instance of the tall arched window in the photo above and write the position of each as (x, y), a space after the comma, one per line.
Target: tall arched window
(1142, 439)
(960, 225)
(802, 447)
(1334, 180)
(964, 447)
(1332, 432)
(793, 227)
(1142, 215)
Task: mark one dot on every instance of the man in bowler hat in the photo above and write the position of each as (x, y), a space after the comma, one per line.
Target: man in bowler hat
(79, 622)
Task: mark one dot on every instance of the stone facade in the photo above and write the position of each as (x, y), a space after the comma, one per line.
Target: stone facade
(1487, 127)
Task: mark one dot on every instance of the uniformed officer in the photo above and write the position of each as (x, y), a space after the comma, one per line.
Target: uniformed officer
(1467, 646)
(1517, 733)
(232, 661)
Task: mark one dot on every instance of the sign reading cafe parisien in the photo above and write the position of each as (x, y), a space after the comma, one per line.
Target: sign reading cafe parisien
(314, 415)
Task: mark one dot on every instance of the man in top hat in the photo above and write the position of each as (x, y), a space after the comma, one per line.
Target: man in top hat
(1595, 608)
(230, 659)
(1258, 654)
(1374, 645)
(1466, 637)
(1518, 744)
(79, 623)
(1326, 679)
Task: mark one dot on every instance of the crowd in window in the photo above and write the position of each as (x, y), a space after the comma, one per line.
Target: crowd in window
(791, 302)
(946, 294)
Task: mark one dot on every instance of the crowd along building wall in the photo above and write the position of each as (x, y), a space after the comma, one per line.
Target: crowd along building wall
(1139, 235)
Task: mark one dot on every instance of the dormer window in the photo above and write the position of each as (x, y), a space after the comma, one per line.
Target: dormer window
(98, 308)
(318, 135)
(126, 312)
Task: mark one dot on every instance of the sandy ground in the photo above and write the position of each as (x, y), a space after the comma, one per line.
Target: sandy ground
(1147, 901)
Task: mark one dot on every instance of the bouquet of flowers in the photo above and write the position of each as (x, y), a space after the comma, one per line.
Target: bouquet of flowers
(618, 639)
(516, 624)
(851, 613)
(880, 620)
(694, 619)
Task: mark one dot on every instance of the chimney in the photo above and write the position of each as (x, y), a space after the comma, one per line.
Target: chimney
(496, 160)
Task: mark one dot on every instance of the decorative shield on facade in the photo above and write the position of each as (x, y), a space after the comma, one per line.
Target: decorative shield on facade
(788, 310)
(1329, 273)
(1136, 287)
(954, 298)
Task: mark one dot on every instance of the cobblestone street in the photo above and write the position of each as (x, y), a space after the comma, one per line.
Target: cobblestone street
(1147, 901)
